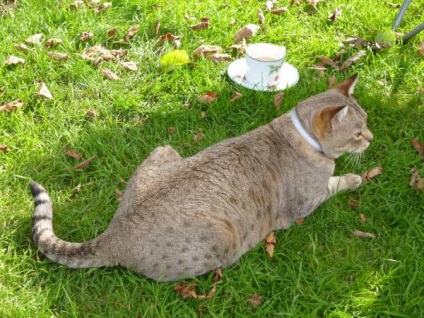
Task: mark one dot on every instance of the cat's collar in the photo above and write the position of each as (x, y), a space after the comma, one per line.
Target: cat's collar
(299, 127)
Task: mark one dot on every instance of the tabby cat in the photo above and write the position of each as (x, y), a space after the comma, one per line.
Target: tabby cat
(187, 216)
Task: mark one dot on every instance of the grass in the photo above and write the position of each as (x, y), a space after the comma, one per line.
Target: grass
(319, 268)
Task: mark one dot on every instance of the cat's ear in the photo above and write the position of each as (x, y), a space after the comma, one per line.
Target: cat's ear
(338, 118)
(347, 86)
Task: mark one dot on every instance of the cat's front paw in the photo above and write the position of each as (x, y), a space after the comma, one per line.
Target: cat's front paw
(353, 181)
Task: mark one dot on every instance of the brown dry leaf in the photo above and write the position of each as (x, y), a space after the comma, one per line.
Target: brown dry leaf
(353, 204)
(261, 16)
(52, 42)
(209, 295)
(14, 60)
(175, 40)
(198, 136)
(206, 50)
(370, 174)
(73, 154)
(297, 2)
(363, 234)
(4, 148)
(34, 39)
(86, 35)
(278, 100)
(2, 91)
(269, 5)
(218, 57)
(417, 182)
(171, 130)
(129, 65)
(338, 56)
(58, 56)
(119, 195)
(185, 290)
(131, 32)
(44, 91)
(331, 81)
(76, 5)
(236, 95)
(156, 27)
(208, 97)
(300, 221)
(11, 106)
(102, 7)
(91, 113)
(232, 22)
(335, 15)
(363, 218)
(218, 275)
(280, 10)
(270, 242)
(327, 61)
(21, 47)
(112, 32)
(353, 59)
(203, 24)
(421, 49)
(255, 300)
(418, 146)
(246, 32)
(84, 164)
(110, 75)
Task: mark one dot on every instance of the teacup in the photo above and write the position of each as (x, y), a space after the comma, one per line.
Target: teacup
(263, 61)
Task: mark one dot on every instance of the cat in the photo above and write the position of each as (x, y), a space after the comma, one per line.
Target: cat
(183, 217)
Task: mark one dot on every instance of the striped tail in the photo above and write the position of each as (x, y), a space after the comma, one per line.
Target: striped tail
(74, 255)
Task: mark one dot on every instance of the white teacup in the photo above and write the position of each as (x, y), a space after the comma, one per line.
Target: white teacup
(263, 61)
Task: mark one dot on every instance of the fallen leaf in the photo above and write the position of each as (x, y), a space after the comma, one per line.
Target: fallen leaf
(11, 106)
(199, 136)
(206, 50)
(370, 174)
(119, 195)
(421, 49)
(174, 58)
(269, 5)
(246, 32)
(208, 97)
(58, 56)
(218, 57)
(300, 221)
(331, 81)
(203, 24)
(357, 42)
(84, 164)
(91, 113)
(185, 290)
(175, 40)
(34, 39)
(351, 279)
(353, 59)
(255, 300)
(209, 295)
(129, 66)
(203, 114)
(278, 100)
(52, 42)
(110, 75)
(131, 32)
(235, 96)
(338, 56)
(393, 5)
(279, 11)
(73, 154)
(44, 91)
(334, 15)
(327, 61)
(102, 7)
(232, 22)
(363, 234)
(189, 18)
(419, 147)
(86, 35)
(14, 60)
(218, 275)
(363, 218)
(76, 5)
(297, 2)
(21, 47)
(171, 130)
(2, 91)
(270, 242)
(156, 27)
(314, 3)
(417, 182)
(112, 32)
(4, 148)
(261, 16)
(353, 205)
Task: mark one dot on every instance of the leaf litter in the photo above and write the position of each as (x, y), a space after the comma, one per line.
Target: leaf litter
(11, 106)
(370, 174)
(270, 242)
(44, 91)
(416, 182)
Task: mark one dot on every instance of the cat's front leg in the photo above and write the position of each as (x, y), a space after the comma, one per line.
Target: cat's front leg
(348, 181)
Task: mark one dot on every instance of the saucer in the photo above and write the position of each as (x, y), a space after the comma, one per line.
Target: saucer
(289, 76)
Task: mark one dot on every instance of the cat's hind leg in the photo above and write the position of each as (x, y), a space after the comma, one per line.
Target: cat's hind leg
(348, 181)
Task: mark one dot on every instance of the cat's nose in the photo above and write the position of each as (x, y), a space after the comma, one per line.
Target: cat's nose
(368, 136)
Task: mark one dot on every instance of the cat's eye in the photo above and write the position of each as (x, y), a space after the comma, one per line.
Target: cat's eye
(358, 134)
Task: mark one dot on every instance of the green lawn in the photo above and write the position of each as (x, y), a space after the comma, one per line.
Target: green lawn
(319, 268)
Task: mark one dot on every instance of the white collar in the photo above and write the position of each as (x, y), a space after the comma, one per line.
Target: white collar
(311, 140)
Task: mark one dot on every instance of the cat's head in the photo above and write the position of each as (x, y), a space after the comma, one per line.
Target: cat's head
(336, 120)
